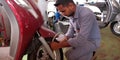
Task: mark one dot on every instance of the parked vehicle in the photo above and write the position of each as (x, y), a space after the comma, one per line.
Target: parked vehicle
(21, 23)
(109, 15)
(51, 14)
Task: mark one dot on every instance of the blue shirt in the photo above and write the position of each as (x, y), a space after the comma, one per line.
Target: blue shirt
(83, 27)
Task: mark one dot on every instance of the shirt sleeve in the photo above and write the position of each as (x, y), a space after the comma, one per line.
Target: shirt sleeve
(70, 32)
(85, 29)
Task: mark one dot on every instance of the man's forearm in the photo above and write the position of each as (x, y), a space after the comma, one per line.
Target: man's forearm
(64, 44)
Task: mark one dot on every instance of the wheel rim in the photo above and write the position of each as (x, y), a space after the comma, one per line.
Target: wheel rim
(42, 54)
(116, 28)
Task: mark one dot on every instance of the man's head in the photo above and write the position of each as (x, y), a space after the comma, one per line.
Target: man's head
(66, 7)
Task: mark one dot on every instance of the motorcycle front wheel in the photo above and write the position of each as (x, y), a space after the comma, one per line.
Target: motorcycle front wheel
(115, 28)
(41, 54)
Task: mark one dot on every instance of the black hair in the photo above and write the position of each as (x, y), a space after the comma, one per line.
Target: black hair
(63, 2)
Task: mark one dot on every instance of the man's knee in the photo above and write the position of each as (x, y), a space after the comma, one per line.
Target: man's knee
(76, 57)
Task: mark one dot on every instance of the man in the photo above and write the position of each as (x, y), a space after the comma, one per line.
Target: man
(83, 33)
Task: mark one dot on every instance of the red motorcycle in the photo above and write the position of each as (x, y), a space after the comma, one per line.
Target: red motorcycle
(21, 28)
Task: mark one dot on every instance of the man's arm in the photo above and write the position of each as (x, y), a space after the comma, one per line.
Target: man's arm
(70, 32)
(61, 44)
(86, 24)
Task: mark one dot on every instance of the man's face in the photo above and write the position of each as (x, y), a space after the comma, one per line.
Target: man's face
(65, 10)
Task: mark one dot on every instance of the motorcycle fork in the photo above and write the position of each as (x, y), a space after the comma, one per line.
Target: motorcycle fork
(42, 41)
(47, 47)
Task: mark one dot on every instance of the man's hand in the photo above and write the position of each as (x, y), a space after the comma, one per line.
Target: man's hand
(63, 43)
(55, 45)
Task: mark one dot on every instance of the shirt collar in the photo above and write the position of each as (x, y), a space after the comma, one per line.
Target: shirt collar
(76, 14)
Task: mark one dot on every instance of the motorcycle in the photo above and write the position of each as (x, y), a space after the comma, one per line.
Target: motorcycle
(21, 27)
(109, 15)
(50, 14)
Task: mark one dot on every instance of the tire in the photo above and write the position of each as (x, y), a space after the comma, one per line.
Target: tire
(40, 53)
(115, 28)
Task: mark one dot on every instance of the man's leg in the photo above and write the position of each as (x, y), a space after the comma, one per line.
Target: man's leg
(81, 53)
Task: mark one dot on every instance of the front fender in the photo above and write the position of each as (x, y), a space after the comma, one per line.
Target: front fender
(45, 32)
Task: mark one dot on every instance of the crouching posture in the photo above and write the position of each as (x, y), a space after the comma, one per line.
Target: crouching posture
(83, 35)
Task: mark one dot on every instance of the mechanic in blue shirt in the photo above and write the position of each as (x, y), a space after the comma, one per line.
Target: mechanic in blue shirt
(83, 34)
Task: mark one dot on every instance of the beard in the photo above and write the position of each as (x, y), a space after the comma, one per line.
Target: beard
(71, 14)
